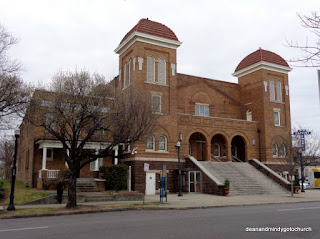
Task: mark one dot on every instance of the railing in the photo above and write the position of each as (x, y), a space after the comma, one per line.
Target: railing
(52, 173)
(235, 159)
(214, 159)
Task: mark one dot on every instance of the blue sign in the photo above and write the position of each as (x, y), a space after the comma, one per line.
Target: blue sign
(302, 133)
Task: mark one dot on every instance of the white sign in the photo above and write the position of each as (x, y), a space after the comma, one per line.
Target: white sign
(146, 167)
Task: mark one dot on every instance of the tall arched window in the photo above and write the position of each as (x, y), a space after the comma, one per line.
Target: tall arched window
(150, 69)
(162, 143)
(278, 89)
(126, 74)
(282, 151)
(216, 150)
(271, 89)
(150, 142)
(249, 115)
(275, 150)
(130, 71)
(161, 71)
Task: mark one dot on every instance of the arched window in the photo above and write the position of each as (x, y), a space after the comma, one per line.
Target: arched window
(130, 71)
(150, 69)
(275, 150)
(126, 74)
(249, 115)
(162, 143)
(278, 89)
(271, 89)
(216, 150)
(161, 71)
(150, 142)
(282, 151)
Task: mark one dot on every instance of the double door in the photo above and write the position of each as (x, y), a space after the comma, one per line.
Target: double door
(195, 182)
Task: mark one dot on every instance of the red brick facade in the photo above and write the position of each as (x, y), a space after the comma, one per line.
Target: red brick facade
(212, 116)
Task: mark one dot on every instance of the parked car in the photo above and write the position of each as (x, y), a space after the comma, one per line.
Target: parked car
(305, 185)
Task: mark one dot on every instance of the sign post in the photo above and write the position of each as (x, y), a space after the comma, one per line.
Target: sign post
(302, 133)
(163, 184)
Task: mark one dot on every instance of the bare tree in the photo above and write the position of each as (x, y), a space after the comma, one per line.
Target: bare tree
(14, 94)
(80, 105)
(310, 51)
(311, 154)
(6, 156)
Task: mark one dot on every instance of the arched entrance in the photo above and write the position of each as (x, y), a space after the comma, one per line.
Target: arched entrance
(218, 147)
(197, 146)
(238, 149)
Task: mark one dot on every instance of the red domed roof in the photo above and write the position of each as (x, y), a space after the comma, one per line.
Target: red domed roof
(261, 55)
(152, 28)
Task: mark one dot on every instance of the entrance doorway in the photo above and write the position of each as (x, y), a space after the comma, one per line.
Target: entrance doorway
(150, 184)
(238, 149)
(197, 144)
(195, 182)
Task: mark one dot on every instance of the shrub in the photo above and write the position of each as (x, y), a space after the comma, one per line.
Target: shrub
(116, 176)
(63, 174)
(1, 190)
(296, 182)
(226, 183)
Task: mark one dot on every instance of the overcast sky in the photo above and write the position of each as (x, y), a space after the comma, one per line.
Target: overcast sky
(215, 35)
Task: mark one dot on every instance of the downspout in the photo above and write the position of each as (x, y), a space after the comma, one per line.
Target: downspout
(259, 139)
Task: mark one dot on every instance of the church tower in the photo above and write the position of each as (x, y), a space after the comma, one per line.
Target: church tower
(263, 78)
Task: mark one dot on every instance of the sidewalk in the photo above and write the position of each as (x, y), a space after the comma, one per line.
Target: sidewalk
(193, 200)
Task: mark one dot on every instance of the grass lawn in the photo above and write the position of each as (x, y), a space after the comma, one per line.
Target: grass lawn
(21, 193)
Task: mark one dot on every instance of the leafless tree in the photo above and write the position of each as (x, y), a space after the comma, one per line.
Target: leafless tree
(311, 154)
(310, 50)
(14, 94)
(6, 156)
(78, 106)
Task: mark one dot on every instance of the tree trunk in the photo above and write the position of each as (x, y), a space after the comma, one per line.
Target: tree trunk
(72, 191)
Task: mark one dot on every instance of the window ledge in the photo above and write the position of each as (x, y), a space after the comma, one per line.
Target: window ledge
(127, 86)
(156, 152)
(156, 83)
(202, 116)
(277, 101)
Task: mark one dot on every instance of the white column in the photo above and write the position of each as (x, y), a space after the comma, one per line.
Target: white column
(66, 161)
(129, 179)
(44, 158)
(96, 163)
(116, 155)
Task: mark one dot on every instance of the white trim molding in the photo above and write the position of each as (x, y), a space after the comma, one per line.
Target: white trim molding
(262, 65)
(146, 38)
(140, 61)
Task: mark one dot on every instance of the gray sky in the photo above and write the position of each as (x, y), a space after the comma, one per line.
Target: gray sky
(216, 35)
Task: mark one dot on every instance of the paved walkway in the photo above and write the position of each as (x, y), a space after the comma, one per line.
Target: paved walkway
(198, 200)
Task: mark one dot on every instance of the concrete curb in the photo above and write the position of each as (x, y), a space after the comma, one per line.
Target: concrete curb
(146, 207)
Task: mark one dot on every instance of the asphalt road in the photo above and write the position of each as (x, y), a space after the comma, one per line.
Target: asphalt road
(224, 222)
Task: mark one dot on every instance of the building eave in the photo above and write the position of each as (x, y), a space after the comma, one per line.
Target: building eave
(146, 38)
(262, 65)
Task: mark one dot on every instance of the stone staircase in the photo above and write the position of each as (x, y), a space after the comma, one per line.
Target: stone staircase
(87, 186)
(244, 178)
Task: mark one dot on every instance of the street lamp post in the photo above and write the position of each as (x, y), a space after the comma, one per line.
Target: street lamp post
(179, 166)
(14, 168)
(302, 171)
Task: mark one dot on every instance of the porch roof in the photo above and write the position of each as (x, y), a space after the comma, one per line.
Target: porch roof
(51, 143)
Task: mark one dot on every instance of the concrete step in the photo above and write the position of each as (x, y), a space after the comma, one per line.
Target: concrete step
(244, 178)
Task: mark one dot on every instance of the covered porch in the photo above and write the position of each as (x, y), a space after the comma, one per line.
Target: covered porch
(53, 162)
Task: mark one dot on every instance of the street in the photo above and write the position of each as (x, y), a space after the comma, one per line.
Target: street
(223, 222)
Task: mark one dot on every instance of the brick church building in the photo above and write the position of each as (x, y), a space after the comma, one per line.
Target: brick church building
(216, 121)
